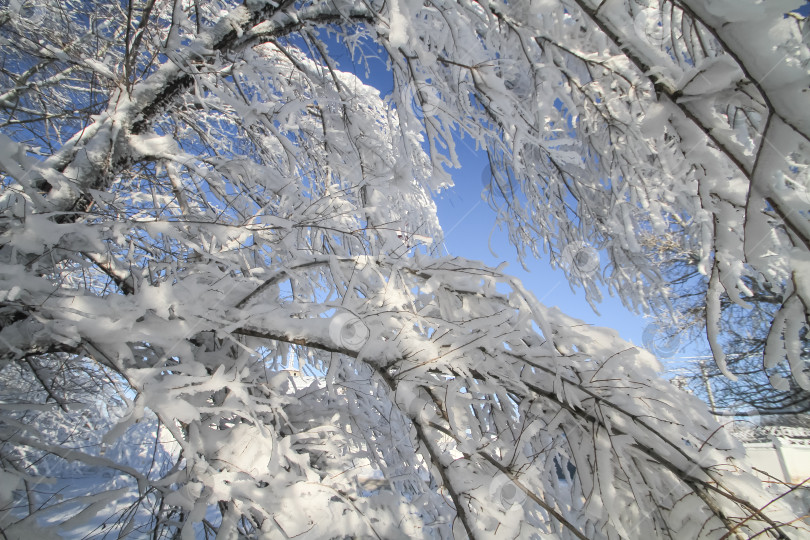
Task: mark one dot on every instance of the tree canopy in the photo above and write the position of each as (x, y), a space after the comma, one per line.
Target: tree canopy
(198, 194)
(743, 333)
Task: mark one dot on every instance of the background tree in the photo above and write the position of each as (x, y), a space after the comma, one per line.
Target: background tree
(743, 331)
(196, 194)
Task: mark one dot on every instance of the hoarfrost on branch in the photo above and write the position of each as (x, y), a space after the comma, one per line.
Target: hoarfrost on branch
(196, 194)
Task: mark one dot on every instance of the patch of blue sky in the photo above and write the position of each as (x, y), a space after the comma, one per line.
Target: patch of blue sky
(469, 231)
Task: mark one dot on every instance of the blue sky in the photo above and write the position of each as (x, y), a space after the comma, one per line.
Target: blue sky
(468, 224)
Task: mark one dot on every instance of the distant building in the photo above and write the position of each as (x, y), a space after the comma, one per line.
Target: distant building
(782, 453)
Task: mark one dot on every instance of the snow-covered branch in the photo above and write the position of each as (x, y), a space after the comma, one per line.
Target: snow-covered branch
(220, 293)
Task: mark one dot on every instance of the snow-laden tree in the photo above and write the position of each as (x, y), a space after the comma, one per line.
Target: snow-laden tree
(196, 194)
(743, 334)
